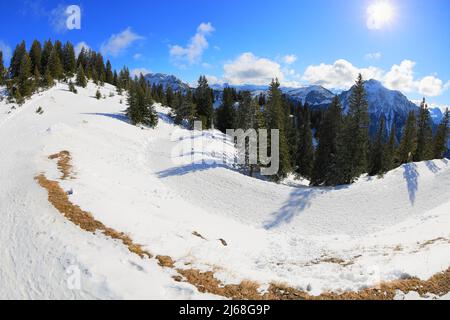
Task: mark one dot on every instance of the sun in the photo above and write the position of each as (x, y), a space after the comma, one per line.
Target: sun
(379, 14)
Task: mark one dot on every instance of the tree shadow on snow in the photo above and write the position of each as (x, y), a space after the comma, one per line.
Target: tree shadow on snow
(411, 176)
(117, 116)
(189, 168)
(299, 200)
(431, 165)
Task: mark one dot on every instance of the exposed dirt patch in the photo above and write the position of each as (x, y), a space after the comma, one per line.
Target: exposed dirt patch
(223, 242)
(64, 164)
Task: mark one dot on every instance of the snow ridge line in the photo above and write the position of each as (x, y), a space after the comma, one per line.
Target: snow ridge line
(205, 282)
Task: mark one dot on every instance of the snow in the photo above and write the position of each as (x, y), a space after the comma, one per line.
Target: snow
(139, 181)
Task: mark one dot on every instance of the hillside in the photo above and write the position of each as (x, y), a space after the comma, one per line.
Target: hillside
(205, 217)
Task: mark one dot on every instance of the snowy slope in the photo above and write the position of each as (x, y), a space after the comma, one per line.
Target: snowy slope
(140, 182)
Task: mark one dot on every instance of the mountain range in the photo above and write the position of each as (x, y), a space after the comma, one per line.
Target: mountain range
(391, 104)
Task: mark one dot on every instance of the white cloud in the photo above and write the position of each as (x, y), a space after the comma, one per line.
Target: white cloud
(118, 43)
(401, 77)
(137, 56)
(373, 56)
(342, 75)
(289, 59)
(81, 45)
(249, 69)
(6, 52)
(138, 71)
(339, 75)
(431, 86)
(193, 52)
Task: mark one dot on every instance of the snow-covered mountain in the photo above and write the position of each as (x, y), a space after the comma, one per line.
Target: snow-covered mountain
(313, 95)
(393, 105)
(166, 80)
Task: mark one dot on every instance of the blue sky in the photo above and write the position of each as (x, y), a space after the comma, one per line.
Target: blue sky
(322, 42)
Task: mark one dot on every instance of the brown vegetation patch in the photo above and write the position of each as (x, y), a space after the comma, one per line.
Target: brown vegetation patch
(430, 242)
(165, 261)
(64, 163)
(223, 242)
(206, 283)
(59, 199)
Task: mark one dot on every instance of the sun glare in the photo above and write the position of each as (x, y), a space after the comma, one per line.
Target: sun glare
(379, 14)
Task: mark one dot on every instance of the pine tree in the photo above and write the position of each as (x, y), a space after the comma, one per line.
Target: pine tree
(377, 152)
(325, 164)
(440, 143)
(36, 56)
(408, 144)
(275, 119)
(354, 137)
(203, 98)
(2, 69)
(98, 95)
(72, 87)
(305, 151)
(24, 80)
(424, 134)
(226, 114)
(16, 60)
(55, 65)
(81, 78)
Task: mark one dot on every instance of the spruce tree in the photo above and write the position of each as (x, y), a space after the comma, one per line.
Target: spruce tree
(408, 144)
(16, 60)
(325, 164)
(36, 56)
(226, 114)
(46, 53)
(48, 79)
(275, 119)
(305, 151)
(169, 96)
(391, 151)
(109, 76)
(55, 65)
(2, 70)
(203, 98)
(377, 152)
(69, 59)
(98, 94)
(440, 143)
(186, 109)
(25, 82)
(81, 78)
(424, 134)
(354, 137)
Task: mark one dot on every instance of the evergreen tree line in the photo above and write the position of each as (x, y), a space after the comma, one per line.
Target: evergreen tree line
(344, 149)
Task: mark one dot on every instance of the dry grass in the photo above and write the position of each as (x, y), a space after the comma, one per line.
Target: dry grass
(64, 164)
(206, 282)
(165, 261)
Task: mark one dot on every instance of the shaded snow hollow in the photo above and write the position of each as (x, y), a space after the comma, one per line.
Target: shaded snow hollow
(135, 180)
